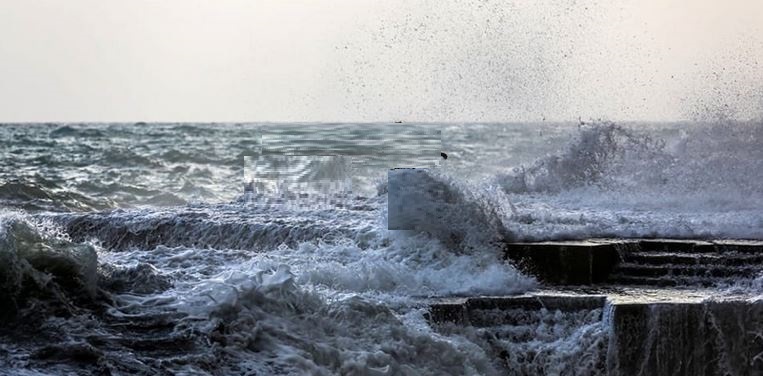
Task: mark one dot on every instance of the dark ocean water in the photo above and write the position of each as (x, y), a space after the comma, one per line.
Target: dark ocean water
(135, 248)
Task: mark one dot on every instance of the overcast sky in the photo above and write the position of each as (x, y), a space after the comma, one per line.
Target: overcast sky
(354, 60)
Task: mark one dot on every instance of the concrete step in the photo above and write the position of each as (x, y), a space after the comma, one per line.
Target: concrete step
(644, 335)
(724, 246)
(695, 246)
(676, 258)
(491, 311)
(671, 245)
(595, 261)
(516, 321)
(710, 271)
(669, 281)
(566, 262)
(547, 327)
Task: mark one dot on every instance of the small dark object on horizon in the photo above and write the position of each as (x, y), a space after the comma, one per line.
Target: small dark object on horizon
(443, 155)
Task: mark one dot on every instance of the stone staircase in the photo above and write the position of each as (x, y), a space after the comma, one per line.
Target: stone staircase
(665, 263)
(620, 307)
(529, 335)
(593, 335)
(479, 311)
(645, 262)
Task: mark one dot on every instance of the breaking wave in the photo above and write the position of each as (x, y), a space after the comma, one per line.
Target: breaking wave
(611, 181)
(599, 156)
(245, 288)
(42, 268)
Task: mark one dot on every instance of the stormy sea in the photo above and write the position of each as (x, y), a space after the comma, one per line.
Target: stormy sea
(268, 249)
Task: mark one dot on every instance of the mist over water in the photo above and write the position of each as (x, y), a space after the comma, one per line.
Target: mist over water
(135, 249)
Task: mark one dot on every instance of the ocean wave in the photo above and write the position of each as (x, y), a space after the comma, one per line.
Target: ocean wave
(455, 212)
(210, 226)
(264, 322)
(705, 182)
(76, 132)
(596, 157)
(348, 241)
(33, 196)
(721, 158)
(265, 285)
(317, 307)
(41, 267)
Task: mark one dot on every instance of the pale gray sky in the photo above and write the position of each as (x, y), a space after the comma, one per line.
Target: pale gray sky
(363, 60)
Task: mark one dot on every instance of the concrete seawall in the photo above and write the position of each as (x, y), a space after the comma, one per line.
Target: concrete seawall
(623, 307)
(705, 338)
(642, 338)
(573, 263)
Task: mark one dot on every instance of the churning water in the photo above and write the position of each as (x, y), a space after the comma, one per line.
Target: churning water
(134, 248)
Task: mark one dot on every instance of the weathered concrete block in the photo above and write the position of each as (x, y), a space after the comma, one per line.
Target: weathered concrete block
(708, 338)
(664, 338)
(449, 312)
(461, 312)
(536, 302)
(568, 263)
(744, 246)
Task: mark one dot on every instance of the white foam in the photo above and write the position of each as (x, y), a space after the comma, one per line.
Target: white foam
(706, 182)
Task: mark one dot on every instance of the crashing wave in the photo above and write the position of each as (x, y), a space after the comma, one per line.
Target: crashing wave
(42, 267)
(209, 226)
(598, 154)
(613, 181)
(262, 321)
